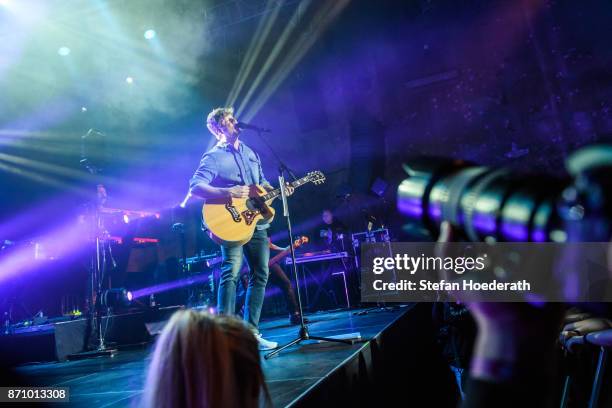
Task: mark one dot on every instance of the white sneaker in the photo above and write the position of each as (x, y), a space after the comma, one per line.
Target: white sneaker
(265, 344)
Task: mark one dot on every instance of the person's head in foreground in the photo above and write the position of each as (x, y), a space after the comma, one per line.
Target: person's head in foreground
(207, 361)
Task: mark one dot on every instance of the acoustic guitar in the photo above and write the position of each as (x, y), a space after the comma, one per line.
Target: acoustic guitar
(296, 244)
(232, 221)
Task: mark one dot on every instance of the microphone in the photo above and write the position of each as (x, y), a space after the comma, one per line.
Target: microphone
(246, 126)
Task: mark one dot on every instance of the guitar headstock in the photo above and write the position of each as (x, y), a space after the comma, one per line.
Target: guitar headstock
(316, 177)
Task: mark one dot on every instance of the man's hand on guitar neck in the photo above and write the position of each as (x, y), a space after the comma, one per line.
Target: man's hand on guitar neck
(288, 189)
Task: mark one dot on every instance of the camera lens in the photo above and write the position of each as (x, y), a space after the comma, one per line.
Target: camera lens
(485, 203)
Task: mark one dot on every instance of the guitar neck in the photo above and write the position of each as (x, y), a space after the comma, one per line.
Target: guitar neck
(277, 192)
(281, 255)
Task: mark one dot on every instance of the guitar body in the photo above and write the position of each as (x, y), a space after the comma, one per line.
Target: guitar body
(232, 221)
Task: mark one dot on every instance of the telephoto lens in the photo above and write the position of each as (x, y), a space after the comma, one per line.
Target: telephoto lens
(496, 204)
(486, 204)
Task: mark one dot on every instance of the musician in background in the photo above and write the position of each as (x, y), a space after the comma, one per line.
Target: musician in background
(226, 171)
(332, 233)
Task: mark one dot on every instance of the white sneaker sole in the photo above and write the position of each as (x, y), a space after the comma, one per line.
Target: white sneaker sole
(266, 348)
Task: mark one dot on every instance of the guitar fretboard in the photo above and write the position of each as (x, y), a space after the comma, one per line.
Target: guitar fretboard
(276, 192)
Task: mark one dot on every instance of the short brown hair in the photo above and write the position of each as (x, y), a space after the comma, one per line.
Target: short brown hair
(214, 118)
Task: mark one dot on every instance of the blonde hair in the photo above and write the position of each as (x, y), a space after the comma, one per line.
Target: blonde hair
(205, 361)
(214, 118)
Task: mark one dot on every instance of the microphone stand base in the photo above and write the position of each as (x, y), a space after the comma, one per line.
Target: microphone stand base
(305, 335)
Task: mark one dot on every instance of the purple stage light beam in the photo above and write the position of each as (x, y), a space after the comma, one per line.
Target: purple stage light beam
(58, 243)
(163, 287)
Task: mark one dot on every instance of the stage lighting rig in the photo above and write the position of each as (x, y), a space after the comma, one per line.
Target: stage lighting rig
(63, 51)
(117, 297)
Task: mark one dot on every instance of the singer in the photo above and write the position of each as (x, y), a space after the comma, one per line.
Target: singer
(227, 170)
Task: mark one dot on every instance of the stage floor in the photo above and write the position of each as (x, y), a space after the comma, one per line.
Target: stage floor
(118, 381)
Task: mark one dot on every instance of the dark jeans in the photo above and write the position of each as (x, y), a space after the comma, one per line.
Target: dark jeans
(257, 255)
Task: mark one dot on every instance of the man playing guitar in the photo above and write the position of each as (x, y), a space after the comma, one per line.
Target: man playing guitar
(226, 171)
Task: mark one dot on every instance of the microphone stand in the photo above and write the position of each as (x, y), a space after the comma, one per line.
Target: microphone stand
(101, 255)
(97, 273)
(282, 167)
(304, 333)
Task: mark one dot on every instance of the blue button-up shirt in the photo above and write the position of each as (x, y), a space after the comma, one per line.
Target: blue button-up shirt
(224, 166)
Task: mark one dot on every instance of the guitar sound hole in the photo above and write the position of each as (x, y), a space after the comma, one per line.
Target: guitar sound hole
(255, 204)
